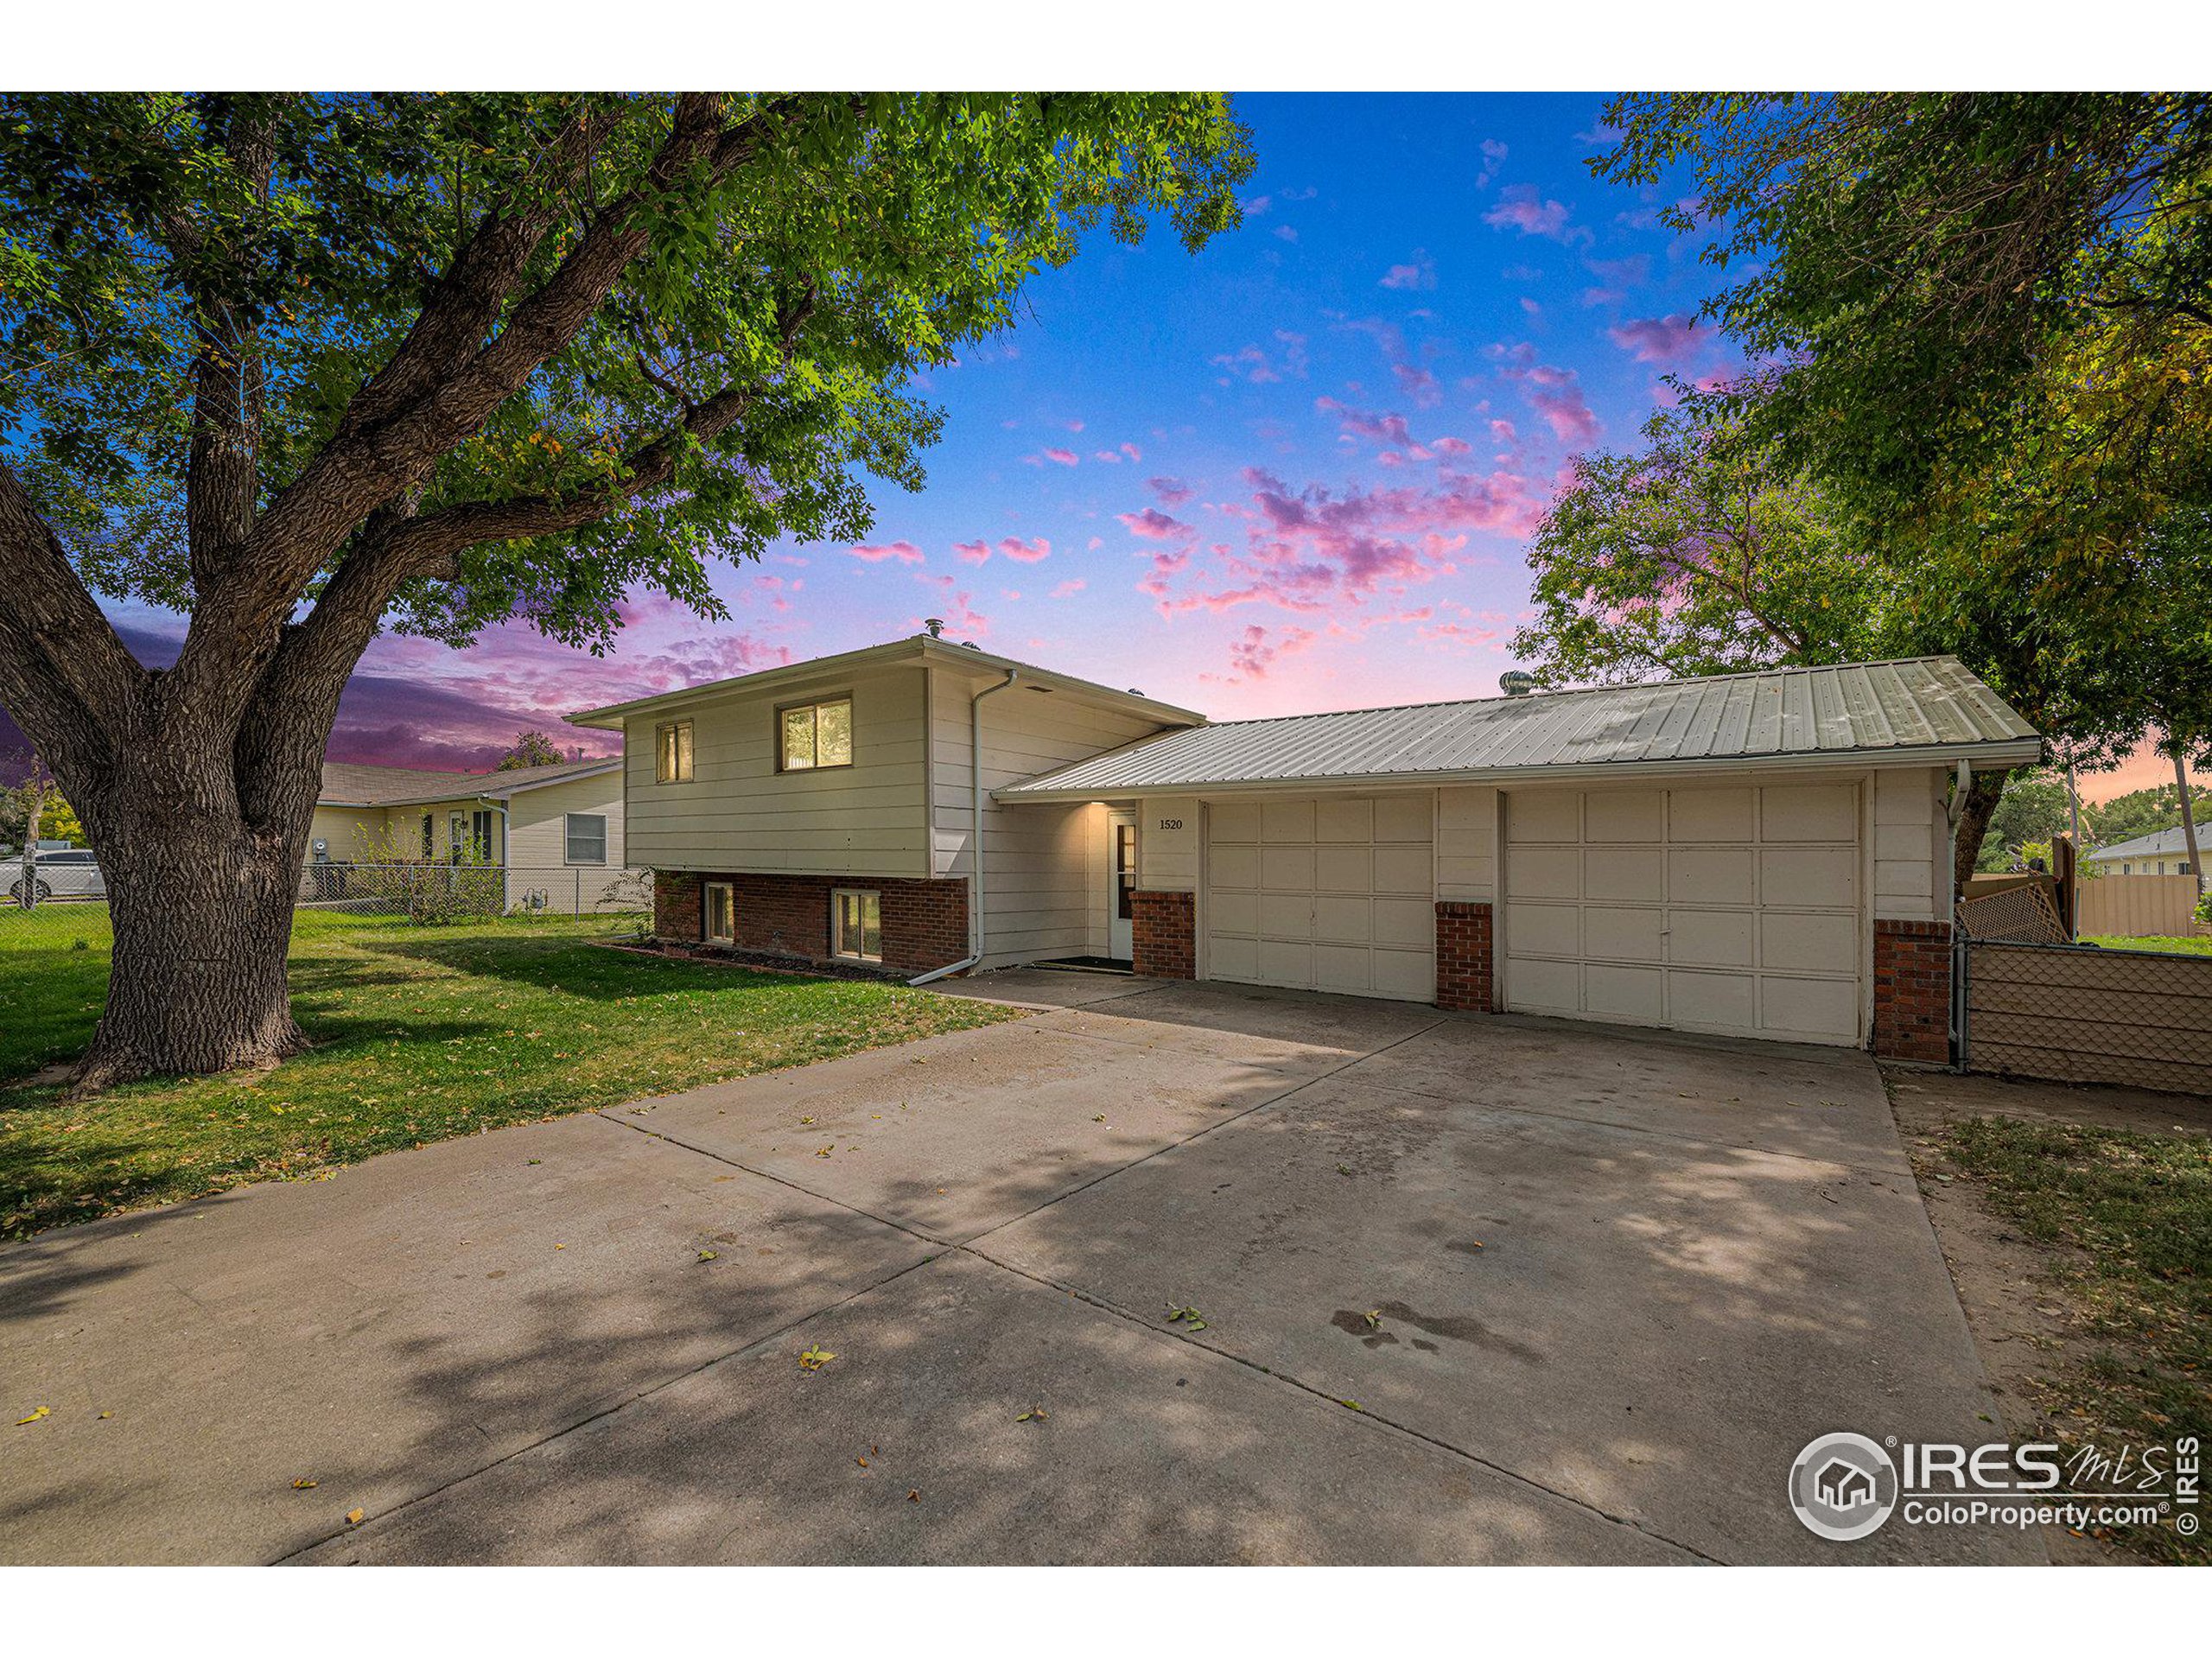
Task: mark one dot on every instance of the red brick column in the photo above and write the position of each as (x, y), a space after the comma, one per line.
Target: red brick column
(1164, 932)
(925, 923)
(675, 907)
(1463, 958)
(1912, 991)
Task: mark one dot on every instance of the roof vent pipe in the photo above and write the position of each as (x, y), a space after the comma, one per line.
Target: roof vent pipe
(935, 625)
(1516, 683)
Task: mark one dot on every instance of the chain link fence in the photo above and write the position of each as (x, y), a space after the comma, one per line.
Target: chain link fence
(433, 893)
(2080, 1014)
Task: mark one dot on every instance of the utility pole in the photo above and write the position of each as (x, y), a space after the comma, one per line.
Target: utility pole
(2188, 817)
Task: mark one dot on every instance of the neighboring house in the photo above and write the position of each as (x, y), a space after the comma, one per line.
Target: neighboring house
(556, 828)
(2162, 852)
(1761, 855)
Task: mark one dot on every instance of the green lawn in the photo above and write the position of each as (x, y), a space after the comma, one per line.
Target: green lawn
(2136, 1211)
(2197, 945)
(421, 1033)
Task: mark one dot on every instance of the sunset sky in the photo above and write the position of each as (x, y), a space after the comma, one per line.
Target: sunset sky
(1294, 472)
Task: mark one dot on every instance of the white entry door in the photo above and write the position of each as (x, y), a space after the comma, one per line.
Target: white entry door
(1121, 885)
(1733, 910)
(1327, 893)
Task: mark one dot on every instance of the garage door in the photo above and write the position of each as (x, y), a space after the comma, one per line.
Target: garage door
(1327, 895)
(1730, 910)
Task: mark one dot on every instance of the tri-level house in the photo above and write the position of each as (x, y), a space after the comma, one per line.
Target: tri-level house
(1763, 855)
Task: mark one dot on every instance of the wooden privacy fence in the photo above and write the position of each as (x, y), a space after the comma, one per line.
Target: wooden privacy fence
(2080, 1014)
(2138, 906)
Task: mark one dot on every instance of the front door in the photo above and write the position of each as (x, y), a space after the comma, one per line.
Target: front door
(1121, 885)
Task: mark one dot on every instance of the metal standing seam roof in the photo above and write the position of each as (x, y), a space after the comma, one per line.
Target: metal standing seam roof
(1928, 706)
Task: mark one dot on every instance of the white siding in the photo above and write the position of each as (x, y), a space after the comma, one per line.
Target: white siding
(1912, 846)
(1044, 866)
(353, 832)
(739, 813)
(1167, 843)
(537, 844)
(1466, 844)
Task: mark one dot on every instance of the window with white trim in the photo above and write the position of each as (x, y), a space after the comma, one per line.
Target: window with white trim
(856, 925)
(672, 751)
(586, 837)
(813, 735)
(718, 913)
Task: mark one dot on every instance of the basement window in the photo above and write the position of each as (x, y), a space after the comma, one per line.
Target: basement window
(718, 913)
(856, 925)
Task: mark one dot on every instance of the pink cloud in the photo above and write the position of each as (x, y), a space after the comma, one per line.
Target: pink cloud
(1359, 423)
(1421, 273)
(1524, 210)
(1262, 367)
(1669, 340)
(1171, 491)
(1061, 457)
(1418, 383)
(1026, 552)
(1073, 585)
(1155, 526)
(1449, 446)
(972, 552)
(904, 552)
(1253, 652)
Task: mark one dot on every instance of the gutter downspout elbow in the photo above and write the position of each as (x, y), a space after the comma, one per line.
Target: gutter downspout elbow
(975, 834)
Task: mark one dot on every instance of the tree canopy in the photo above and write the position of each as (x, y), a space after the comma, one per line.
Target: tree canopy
(530, 748)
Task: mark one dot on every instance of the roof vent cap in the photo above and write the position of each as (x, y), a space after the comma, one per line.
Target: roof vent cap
(1516, 683)
(971, 645)
(935, 625)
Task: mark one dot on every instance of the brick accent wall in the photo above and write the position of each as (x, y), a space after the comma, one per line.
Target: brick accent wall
(1164, 932)
(924, 922)
(1912, 991)
(676, 905)
(1463, 959)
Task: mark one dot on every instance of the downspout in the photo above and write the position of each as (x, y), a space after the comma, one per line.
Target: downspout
(975, 835)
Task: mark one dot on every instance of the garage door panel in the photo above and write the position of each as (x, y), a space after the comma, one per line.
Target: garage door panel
(1410, 921)
(1233, 867)
(1282, 822)
(1694, 815)
(1543, 930)
(1405, 973)
(1286, 916)
(1808, 812)
(1813, 1008)
(1344, 820)
(1712, 938)
(1623, 934)
(1404, 870)
(1546, 871)
(1711, 875)
(1808, 875)
(1343, 869)
(1282, 962)
(1819, 942)
(1713, 1001)
(1544, 815)
(1232, 958)
(1234, 821)
(1341, 967)
(1615, 992)
(1343, 919)
(1611, 814)
(1635, 874)
(1404, 818)
(1286, 867)
(1540, 986)
(1234, 913)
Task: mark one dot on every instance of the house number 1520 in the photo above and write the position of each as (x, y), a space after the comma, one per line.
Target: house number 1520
(1170, 824)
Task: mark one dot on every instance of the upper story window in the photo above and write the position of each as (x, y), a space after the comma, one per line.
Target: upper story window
(672, 751)
(815, 734)
(586, 837)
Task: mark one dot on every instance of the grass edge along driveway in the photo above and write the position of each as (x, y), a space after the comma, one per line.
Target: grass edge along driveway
(421, 1034)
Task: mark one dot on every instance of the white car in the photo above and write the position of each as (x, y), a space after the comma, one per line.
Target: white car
(69, 873)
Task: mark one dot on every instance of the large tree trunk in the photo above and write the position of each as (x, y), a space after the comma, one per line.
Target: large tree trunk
(1979, 807)
(201, 851)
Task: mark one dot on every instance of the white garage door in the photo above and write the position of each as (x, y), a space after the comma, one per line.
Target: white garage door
(1329, 895)
(1731, 909)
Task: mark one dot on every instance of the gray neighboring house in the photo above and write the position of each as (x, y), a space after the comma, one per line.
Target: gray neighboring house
(558, 828)
(2162, 852)
(1761, 855)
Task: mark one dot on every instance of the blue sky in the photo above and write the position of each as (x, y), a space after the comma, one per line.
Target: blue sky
(1294, 471)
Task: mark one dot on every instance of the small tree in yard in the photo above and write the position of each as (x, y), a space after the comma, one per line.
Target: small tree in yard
(529, 749)
(304, 367)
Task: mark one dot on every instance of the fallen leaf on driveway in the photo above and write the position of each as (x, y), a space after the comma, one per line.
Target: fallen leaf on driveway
(914, 1494)
(1351, 1405)
(1189, 1318)
(1034, 1415)
(814, 1359)
(353, 1517)
(303, 1484)
(43, 1411)
(709, 1256)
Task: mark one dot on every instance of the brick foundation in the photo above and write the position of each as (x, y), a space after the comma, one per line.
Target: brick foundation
(924, 922)
(1463, 956)
(1163, 927)
(1912, 991)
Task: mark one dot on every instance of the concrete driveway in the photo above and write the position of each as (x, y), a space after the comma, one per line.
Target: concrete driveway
(1590, 1291)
